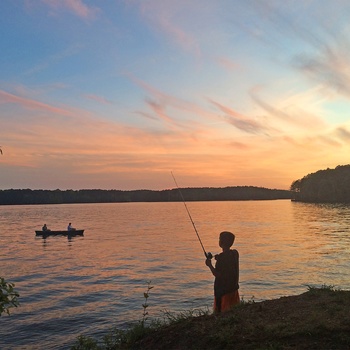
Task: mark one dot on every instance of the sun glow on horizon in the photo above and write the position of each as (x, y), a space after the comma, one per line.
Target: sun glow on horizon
(117, 95)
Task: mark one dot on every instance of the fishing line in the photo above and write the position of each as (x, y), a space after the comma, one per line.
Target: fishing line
(207, 255)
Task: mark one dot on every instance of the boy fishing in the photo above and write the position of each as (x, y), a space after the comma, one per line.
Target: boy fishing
(226, 272)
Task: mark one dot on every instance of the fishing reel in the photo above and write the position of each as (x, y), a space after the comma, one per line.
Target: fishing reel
(209, 255)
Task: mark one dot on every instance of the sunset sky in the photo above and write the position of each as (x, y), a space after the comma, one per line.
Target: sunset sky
(117, 94)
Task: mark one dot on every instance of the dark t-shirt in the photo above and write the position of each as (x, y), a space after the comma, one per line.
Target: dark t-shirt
(227, 267)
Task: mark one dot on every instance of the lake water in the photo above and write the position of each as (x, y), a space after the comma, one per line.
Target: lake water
(86, 285)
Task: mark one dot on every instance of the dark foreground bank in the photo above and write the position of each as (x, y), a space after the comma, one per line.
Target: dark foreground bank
(317, 319)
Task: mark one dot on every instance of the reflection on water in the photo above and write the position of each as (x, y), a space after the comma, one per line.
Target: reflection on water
(85, 285)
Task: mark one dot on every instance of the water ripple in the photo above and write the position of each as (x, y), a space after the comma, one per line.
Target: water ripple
(86, 285)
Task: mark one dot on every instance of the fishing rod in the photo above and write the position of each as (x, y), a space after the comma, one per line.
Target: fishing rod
(207, 255)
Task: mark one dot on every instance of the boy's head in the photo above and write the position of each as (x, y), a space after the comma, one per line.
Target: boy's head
(226, 239)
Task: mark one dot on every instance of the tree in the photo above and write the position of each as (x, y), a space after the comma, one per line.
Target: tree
(324, 186)
(8, 296)
(295, 186)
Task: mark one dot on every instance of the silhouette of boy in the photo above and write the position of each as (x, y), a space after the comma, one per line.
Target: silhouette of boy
(226, 272)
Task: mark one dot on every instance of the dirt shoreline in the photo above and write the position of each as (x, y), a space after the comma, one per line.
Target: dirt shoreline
(317, 319)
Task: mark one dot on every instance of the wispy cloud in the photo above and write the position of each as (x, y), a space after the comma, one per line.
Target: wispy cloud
(240, 121)
(228, 64)
(54, 59)
(330, 67)
(320, 51)
(289, 111)
(7, 98)
(160, 101)
(169, 18)
(343, 134)
(99, 99)
(159, 110)
(77, 7)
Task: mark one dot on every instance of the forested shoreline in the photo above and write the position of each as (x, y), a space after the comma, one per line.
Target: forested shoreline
(324, 186)
(28, 196)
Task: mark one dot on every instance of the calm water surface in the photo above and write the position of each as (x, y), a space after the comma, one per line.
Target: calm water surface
(86, 285)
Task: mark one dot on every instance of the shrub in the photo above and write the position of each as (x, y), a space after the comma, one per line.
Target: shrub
(8, 296)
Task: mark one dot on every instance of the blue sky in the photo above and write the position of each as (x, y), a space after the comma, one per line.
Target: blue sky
(117, 94)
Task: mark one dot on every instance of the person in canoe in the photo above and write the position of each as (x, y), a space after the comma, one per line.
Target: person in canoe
(226, 272)
(70, 228)
(45, 228)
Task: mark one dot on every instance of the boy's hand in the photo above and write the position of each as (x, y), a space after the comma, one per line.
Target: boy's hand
(208, 262)
(209, 255)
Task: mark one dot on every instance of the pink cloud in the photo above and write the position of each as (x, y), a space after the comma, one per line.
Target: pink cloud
(159, 110)
(170, 101)
(99, 99)
(239, 121)
(227, 63)
(167, 17)
(26, 103)
(146, 115)
(77, 7)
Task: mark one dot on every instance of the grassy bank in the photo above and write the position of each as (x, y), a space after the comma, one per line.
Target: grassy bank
(316, 319)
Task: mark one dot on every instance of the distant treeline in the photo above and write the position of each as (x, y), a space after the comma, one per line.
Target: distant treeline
(327, 186)
(27, 196)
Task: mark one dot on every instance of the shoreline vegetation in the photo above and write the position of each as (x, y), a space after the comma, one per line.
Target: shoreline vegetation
(323, 186)
(317, 319)
(28, 196)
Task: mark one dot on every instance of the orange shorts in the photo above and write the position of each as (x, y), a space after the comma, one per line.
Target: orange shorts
(227, 301)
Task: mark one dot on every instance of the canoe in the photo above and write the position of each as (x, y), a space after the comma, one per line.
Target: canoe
(60, 233)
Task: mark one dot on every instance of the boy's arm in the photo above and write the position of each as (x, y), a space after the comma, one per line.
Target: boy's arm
(236, 257)
(211, 267)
